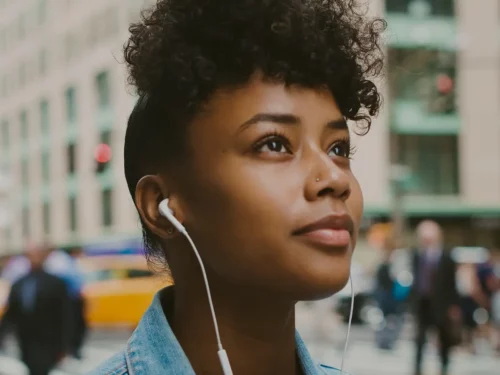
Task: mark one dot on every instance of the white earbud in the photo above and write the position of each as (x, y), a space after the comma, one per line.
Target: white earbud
(169, 214)
(166, 212)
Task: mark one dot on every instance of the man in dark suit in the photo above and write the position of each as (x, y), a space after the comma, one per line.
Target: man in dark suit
(38, 311)
(435, 296)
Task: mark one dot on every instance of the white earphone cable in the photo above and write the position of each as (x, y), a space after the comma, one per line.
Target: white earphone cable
(348, 327)
(209, 295)
(169, 214)
(226, 367)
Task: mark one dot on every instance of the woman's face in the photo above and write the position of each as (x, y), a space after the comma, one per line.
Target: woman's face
(269, 197)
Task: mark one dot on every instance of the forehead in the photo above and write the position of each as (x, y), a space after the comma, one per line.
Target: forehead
(309, 104)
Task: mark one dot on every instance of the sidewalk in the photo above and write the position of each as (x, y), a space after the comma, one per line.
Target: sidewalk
(364, 358)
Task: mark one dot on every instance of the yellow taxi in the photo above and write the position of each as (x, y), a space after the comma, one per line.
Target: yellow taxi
(118, 289)
(4, 295)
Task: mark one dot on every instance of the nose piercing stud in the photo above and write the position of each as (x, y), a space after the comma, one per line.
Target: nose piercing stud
(317, 179)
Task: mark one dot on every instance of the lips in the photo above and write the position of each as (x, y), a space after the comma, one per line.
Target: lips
(334, 231)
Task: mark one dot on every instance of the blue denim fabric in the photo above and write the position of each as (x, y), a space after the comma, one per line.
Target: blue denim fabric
(154, 350)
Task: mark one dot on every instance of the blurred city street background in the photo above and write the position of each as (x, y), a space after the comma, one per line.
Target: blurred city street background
(433, 153)
(326, 343)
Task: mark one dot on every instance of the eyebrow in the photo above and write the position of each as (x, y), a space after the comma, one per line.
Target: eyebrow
(339, 124)
(287, 119)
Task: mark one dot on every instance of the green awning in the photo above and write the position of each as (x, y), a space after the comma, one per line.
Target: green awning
(405, 31)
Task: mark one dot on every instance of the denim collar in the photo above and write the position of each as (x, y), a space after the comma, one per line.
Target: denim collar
(154, 349)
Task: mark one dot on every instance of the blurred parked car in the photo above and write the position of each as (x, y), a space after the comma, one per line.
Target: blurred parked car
(4, 295)
(118, 289)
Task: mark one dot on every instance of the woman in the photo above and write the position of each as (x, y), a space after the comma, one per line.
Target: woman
(241, 124)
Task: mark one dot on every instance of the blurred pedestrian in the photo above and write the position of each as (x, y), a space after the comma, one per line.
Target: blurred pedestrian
(435, 296)
(495, 306)
(38, 309)
(64, 265)
(467, 288)
(386, 334)
(16, 267)
(488, 274)
(487, 280)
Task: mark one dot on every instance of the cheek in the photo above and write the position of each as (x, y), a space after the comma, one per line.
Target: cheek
(223, 208)
(355, 203)
(241, 196)
(238, 220)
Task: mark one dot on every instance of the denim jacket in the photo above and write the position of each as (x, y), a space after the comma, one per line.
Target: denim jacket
(154, 350)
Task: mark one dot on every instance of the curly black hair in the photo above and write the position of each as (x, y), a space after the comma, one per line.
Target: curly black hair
(182, 51)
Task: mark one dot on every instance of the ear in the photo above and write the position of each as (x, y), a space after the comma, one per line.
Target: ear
(150, 191)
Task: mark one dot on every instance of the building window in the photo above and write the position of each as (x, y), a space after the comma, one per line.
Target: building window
(3, 40)
(45, 166)
(94, 27)
(12, 83)
(421, 7)
(25, 172)
(42, 11)
(25, 222)
(433, 161)
(110, 22)
(71, 157)
(103, 90)
(71, 45)
(424, 76)
(7, 234)
(23, 119)
(5, 134)
(107, 208)
(70, 105)
(73, 224)
(105, 137)
(46, 218)
(4, 87)
(22, 74)
(44, 117)
(22, 26)
(42, 62)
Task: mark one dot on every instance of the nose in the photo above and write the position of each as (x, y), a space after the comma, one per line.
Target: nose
(327, 179)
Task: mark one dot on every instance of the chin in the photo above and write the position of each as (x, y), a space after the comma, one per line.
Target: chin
(320, 286)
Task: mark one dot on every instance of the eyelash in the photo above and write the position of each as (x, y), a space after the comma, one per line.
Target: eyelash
(278, 136)
(347, 141)
(275, 135)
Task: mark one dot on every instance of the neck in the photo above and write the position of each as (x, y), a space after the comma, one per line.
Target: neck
(257, 331)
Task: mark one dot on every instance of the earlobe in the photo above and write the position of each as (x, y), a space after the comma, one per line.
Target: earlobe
(150, 191)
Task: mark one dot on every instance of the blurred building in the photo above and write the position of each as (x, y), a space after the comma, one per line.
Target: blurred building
(441, 118)
(62, 94)
(64, 106)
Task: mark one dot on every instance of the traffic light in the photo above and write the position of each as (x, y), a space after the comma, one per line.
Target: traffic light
(102, 157)
(442, 99)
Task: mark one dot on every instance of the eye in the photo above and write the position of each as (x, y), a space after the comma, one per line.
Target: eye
(342, 148)
(274, 144)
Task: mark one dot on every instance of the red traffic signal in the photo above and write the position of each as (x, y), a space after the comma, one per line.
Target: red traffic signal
(102, 157)
(444, 84)
(103, 153)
